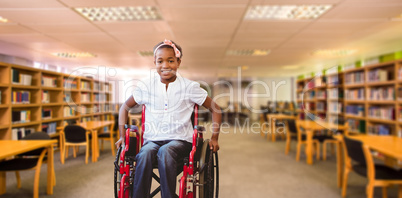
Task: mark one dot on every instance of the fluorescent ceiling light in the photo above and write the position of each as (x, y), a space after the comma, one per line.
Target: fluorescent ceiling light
(286, 12)
(74, 54)
(255, 52)
(146, 53)
(3, 20)
(290, 67)
(334, 52)
(120, 13)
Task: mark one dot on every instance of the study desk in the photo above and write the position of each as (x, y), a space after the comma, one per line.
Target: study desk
(390, 146)
(271, 118)
(95, 127)
(9, 148)
(310, 127)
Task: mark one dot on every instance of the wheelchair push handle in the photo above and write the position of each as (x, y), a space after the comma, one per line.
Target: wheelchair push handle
(199, 128)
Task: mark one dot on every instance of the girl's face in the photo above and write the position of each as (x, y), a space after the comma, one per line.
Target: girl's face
(166, 64)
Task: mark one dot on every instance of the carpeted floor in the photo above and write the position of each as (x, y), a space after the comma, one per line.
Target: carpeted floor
(249, 167)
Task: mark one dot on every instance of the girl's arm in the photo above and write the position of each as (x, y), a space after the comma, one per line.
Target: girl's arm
(123, 114)
(216, 122)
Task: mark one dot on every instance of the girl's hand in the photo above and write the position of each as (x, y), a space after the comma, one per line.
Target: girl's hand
(119, 142)
(213, 144)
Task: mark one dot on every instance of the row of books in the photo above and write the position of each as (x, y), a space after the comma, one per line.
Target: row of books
(100, 98)
(67, 97)
(45, 96)
(69, 84)
(68, 111)
(85, 110)
(355, 94)
(21, 116)
(354, 78)
(85, 85)
(379, 129)
(386, 113)
(85, 97)
(334, 93)
(47, 113)
(399, 74)
(377, 75)
(335, 107)
(85, 119)
(20, 79)
(321, 94)
(333, 80)
(309, 106)
(49, 81)
(357, 125)
(321, 106)
(21, 97)
(49, 128)
(357, 110)
(381, 93)
(19, 133)
(399, 93)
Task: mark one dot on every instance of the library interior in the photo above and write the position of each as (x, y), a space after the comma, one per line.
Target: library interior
(310, 96)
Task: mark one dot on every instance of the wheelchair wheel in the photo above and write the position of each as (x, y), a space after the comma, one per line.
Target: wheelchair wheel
(209, 172)
(117, 175)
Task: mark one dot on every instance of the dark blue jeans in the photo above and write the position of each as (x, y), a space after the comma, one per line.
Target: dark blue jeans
(168, 155)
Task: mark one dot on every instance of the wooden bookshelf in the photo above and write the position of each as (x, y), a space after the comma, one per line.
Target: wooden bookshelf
(369, 97)
(34, 93)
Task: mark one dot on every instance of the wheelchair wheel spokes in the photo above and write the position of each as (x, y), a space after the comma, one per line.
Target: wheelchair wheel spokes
(117, 175)
(209, 170)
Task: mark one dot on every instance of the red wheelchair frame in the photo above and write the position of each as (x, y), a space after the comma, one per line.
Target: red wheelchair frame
(199, 169)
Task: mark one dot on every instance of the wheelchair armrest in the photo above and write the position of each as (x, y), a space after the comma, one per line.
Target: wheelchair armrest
(199, 128)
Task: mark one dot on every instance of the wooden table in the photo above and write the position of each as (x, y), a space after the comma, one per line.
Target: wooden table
(390, 146)
(136, 117)
(9, 148)
(95, 127)
(272, 118)
(310, 127)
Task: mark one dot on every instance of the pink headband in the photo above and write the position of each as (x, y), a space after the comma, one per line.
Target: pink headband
(170, 43)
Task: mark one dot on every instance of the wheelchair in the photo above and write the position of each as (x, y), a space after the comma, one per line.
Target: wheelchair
(200, 169)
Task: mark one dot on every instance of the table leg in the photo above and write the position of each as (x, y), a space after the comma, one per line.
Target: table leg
(2, 183)
(50, 168)
(262, 125)
(400, 191)
(273, 130)
(339, 163)
(309, 147)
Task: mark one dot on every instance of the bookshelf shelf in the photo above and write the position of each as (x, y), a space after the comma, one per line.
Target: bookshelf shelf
(24, 86)
(4, 85)
(24, 105)
(25, 124)
(355, 101)
(381, 83)
(4, 106)
(391, 102)
(378, 120)
(355, 116)
(52, 104)
(354, 85)
(51, 120)
(4, 126)
(52, 88)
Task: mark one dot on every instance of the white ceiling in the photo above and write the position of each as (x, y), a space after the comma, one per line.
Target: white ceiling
(205, 30)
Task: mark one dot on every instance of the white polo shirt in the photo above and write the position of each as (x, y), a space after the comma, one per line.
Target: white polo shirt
(168, 112)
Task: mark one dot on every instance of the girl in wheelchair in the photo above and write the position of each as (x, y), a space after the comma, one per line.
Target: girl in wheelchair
(169, 101)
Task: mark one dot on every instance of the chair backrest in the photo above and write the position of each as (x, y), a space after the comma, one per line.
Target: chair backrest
(354, 149)
(75, 133)
(35, 136)
(292, 126)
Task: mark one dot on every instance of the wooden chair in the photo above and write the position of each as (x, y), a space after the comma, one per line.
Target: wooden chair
(74, 135)
(295, 134)
(28, 161)
(110, 135)
(330, 140)
(359, 159)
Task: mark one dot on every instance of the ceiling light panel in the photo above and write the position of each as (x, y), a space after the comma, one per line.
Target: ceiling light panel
(334, 52)
(285, 12)
(146, 53)
(254, 52)
(140, 13)
(74, 54)
(3, 20)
